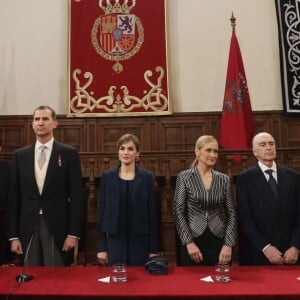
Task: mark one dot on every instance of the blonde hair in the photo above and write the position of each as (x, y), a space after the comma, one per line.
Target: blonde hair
(201, 141)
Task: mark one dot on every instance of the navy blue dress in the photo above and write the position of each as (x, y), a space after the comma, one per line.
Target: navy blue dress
(124, 247)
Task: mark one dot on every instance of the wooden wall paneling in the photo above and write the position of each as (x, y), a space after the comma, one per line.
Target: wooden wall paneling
(110, 135)
(72, 132)
(2, 135)
(111, 132)
(181, 133)
(15, 133)
(92, 136)
(29, 136)
(154, 136)
(215, 125)
(176, 132)
(12, 138)
(171, 134)
(268, 121)
(173, 137)
(191, 134)
(294, 161)
(276, 130)
(292, 133)
(71, 135)
(262, 123)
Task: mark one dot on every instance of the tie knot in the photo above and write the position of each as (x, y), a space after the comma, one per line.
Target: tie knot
(269, 172)
(272, 182)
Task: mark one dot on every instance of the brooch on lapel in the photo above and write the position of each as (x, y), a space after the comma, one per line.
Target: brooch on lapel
(59, 160)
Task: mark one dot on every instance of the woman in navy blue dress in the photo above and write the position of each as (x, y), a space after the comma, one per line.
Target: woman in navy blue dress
(127, 220)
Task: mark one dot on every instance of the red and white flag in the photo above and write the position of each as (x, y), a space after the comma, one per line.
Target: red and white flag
(237, 124)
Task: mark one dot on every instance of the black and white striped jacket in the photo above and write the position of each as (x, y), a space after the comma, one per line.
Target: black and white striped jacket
(196, 208)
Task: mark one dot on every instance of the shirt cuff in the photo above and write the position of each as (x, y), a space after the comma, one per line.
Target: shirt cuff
(14, 238)
(74, 236)
(265, 247)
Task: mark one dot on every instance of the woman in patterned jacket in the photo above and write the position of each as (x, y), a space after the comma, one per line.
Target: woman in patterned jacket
(204, 212)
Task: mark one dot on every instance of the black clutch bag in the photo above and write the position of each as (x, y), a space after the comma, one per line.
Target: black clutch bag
(156, 265)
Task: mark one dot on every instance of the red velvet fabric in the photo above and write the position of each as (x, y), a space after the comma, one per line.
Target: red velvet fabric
(180, 283)
(84, 57)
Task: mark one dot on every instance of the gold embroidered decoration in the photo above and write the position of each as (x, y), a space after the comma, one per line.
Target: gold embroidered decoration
(153, 100)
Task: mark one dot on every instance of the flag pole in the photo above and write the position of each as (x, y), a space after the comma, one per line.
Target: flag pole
(232, 20)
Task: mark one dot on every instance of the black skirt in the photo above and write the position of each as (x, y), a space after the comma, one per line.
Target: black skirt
(210, 247)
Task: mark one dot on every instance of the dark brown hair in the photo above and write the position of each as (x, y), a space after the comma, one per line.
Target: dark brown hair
(129, 137)
(43, 107)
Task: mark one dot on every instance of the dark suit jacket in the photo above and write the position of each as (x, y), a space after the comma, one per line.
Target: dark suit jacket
(4, 181)
(263, 219)
(61, 199)
(144, 220)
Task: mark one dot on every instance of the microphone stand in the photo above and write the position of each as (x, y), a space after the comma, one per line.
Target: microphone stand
(25, 277)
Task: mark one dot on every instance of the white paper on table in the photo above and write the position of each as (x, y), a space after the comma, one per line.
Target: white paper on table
(105, 279)
(207, 279)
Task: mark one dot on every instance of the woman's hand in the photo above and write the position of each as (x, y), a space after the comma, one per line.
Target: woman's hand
(194, 252)
(225, 255)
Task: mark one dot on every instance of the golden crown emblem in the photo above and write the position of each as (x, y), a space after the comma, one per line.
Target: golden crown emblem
(117, 6)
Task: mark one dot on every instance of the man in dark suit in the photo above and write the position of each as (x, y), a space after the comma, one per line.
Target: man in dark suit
(4, 181)
(268, 209)
(46, 196)
(4, 178)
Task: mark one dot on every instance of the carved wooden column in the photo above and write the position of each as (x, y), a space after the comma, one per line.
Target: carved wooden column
(168, 200)
(106, 163)
(244, 161)
(153, 170)
(229, 166)
(91, 185)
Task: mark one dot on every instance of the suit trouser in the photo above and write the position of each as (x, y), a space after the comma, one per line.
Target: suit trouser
(43, 251)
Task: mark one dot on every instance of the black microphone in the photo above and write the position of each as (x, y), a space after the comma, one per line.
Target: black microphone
(25, 277)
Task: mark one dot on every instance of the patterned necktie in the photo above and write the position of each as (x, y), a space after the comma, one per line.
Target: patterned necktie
(42, 157)
(272, 182)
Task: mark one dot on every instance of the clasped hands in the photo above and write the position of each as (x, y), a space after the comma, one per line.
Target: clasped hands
(276, 257)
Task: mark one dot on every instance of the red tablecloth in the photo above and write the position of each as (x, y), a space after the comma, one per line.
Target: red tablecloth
(181, 283)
